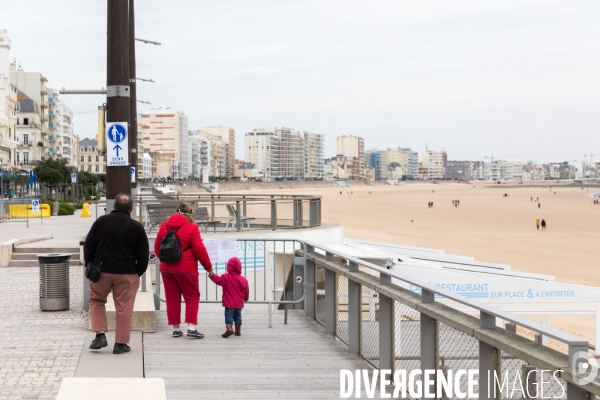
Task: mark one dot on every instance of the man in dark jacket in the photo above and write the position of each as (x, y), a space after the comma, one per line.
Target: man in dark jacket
(119, 245)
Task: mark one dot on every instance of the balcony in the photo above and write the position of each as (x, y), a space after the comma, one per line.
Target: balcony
(45, 129)
(51, 138)
(25, 144)
(8, 144)
(51, 125)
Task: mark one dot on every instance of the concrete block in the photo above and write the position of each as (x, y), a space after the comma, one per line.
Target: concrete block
(144, 318)
(112, 388)
(104, 364)
(7, 248)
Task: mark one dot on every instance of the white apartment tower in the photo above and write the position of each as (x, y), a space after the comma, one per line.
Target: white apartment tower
(433, 162)
(227, 136)
(284, 153)
(8, 105)
(161, 133)
(354, 147)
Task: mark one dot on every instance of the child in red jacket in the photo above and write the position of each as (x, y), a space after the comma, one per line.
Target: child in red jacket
(235, 293)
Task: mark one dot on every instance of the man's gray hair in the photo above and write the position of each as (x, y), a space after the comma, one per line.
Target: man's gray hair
(123, 202)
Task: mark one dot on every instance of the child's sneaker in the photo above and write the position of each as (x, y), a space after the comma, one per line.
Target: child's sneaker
(195, 334)
(177, 333)
(228, 331)
(238, 330)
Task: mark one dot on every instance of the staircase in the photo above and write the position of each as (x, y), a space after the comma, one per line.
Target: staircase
(27, 256)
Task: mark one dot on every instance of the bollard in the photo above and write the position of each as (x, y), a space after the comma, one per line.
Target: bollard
(86, 211)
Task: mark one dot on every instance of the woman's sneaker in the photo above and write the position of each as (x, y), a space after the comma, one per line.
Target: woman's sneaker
(195, 334)
(177, 333)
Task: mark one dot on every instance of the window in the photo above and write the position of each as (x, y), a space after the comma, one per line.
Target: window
(104, 168)
(89, 158)
(82, 168)
(17, 158)
(25, 158)
(97, 168)
(25, 138)
(89, 168)
(97, 158)
(25, 121)
(82, 158)
(81, 149)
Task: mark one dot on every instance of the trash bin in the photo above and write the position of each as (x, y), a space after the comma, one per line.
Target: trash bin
(54, 281)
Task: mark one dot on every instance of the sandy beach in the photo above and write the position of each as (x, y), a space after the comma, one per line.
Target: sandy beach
(485, 225)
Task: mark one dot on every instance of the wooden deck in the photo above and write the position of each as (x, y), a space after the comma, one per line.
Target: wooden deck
(293, 361)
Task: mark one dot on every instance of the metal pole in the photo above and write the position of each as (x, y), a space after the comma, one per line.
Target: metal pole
(330, 302)
(117, 101)
(428, 338)
(354, 316)
(133, 140)
(488, 360)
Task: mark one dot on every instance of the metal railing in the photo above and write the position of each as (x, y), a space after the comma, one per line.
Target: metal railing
(275, 275)
(243, 212)
(19, 210)
(395, 329)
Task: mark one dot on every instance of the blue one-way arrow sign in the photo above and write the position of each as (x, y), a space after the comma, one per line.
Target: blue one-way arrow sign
(117, 153)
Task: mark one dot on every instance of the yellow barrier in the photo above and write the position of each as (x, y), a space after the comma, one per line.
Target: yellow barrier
(86, 211)
(18, 211)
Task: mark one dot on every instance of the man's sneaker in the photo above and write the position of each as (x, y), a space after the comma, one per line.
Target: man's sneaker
(177, 333)
(195, 334)
(98, 343)
(121, 348)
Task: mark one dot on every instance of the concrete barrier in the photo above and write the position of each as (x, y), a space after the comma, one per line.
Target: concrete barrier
(7, 248)
(112, 388)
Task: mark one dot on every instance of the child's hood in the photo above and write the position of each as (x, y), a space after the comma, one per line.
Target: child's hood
(234, 266)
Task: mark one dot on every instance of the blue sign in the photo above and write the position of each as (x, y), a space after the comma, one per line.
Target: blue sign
(117, 133)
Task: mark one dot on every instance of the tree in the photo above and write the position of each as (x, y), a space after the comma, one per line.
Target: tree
(53, 173)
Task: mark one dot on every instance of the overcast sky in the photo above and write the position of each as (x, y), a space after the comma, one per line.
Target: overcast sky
(508, 77)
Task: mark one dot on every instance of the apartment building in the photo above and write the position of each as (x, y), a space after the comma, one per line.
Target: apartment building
(377, 160)
(314, 152)
(8, 105)
(352, 146)
(464, 170)
(89, 159)
(30, 148)
(226, 135)
(433, 162)
(285, 153)
(161, 133)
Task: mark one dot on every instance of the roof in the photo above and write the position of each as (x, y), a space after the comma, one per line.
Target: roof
(88, 142)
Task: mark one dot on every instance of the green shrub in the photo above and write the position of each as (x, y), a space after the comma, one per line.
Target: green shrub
(65, 208)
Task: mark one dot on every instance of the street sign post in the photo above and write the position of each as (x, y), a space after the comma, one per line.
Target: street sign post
(35, 207)
(117, 145)
(132, 174)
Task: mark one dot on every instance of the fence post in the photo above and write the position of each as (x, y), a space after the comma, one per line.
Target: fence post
(300, 214)
(312, 212)
(428, 338)
(273, 214)
(212, 207)
(354, 311)
(310, 284)
(574, 392)
(244, 213)
(238, 216)
(295, 211)
(330, 302)
(488, 360)
(386, 333)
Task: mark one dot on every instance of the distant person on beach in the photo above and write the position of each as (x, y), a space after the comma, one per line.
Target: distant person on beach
(532, 199)
(539, 205)
(543, 224)
(458, 202)
(537, 224)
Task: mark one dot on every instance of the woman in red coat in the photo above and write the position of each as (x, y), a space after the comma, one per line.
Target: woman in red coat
(181, 277)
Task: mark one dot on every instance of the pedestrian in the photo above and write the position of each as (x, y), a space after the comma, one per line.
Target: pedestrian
(539, 205)
(532, 199)
(458, 202)
(432, 204)
(452, 202)
(537, 224)
(340, 192)
(121, 262)
(455, 204)
(543, 224)
(10, 194)
(235, 293)
(181, 277)
(537, 199)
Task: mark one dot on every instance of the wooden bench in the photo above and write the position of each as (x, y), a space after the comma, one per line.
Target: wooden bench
(159, 213)
(203, 218)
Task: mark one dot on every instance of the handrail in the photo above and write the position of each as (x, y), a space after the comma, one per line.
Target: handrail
(567, 338)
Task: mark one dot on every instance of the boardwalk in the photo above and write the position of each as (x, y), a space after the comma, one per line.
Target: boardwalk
(293, 361)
